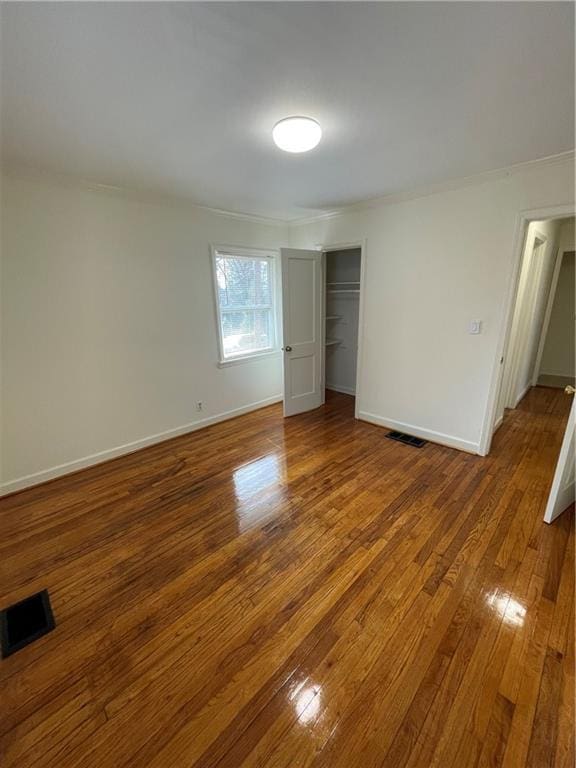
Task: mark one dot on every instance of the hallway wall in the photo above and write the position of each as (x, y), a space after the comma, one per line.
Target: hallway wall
(558, 358)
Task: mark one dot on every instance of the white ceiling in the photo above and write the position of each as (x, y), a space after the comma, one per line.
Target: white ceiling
(181, 97)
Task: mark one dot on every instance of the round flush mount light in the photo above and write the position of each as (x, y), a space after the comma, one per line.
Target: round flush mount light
(297, 134)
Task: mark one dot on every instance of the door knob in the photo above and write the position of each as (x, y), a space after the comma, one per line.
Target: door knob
(287, 349)
(570, 390)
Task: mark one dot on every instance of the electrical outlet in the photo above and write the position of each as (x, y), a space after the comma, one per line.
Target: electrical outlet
(199, 405)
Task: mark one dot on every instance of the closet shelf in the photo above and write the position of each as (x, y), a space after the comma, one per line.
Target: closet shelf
(345, 282)
(333, 317)
(330, 342)
(343, 290)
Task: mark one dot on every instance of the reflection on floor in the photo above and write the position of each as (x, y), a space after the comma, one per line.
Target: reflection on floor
(296, 593)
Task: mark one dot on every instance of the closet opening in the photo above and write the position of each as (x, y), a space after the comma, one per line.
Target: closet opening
(341, 316)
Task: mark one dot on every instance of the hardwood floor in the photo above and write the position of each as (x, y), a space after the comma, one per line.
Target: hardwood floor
(298, 593)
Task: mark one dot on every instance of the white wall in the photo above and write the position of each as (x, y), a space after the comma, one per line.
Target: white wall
(558, 355)
(567, 241)
(434, 263)
(108, 325)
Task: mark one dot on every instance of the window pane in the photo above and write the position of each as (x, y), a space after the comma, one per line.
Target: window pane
(245, 296)
(243, 282)
(246, 331)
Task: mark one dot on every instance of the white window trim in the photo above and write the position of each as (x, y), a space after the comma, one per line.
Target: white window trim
(247, 253)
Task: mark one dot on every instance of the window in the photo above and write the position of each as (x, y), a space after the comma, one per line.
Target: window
(245, 288)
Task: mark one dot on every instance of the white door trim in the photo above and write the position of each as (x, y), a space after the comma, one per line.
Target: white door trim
(523, 220)
(523, 312)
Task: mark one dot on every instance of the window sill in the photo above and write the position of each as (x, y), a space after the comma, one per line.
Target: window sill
(247, 358)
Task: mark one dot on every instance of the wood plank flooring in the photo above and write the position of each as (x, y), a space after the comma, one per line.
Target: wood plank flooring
(298, 592)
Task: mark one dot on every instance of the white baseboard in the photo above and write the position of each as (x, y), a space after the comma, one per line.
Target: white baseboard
(425, 434)
(557, 380)
(97, 458)
(343, 390)
(498, 423)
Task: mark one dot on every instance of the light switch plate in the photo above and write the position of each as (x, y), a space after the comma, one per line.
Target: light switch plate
(475, 327)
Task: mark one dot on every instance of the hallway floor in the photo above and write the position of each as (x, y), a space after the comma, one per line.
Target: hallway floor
(300, 592)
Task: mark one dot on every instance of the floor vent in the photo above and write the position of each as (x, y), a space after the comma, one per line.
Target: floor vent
(402, 437)
(24, 622)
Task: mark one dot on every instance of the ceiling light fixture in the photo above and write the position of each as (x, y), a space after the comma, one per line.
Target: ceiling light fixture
(297, 134)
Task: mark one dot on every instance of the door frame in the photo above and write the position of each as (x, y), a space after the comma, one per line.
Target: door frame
(512, 281)
(518, 341)
(347, 246)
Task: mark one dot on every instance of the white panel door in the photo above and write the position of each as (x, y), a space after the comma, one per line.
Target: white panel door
(562, 490)
(302, 329)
